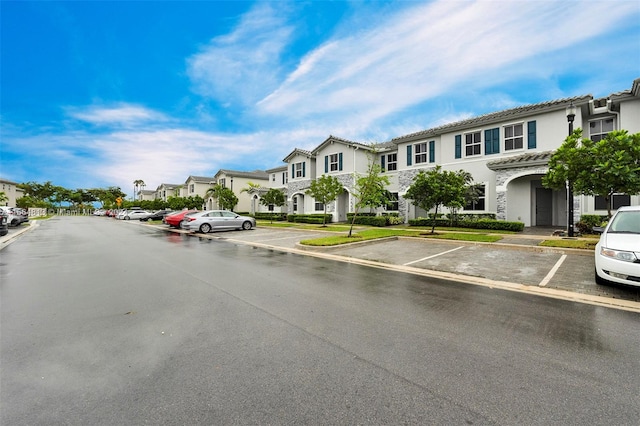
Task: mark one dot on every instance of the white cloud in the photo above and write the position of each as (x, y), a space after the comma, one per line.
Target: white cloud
(121, 114)
(429, 49)
(244, 65)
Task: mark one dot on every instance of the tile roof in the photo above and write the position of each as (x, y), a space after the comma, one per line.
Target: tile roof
(496, 116)
(258, 174)
(528, 159)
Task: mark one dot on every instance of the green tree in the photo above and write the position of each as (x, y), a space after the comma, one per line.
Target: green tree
(213, 192)
(605, 167)
(370, 190)
(437, 187)
(325, 190)
(227, 199)
(273, 197)
(3, 197)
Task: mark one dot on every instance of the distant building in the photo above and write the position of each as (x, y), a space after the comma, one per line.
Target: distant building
(11, 191)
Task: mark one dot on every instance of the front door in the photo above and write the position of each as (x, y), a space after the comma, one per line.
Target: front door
(544, 212)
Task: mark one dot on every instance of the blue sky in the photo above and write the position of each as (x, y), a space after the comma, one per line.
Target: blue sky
(97, 94)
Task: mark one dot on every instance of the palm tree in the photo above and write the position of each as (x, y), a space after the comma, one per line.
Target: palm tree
(213, 192)
(250, 186)
(137, 184)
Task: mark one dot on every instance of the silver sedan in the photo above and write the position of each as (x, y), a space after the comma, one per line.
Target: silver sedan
(217, 220)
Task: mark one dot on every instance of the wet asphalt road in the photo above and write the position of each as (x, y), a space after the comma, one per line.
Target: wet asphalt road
(110, 323)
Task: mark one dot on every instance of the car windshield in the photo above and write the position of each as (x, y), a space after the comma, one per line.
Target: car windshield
(626, 222)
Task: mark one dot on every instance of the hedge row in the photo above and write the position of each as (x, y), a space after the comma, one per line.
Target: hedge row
(372, 220)
(309, 218)
(270, 216)
(497, 225)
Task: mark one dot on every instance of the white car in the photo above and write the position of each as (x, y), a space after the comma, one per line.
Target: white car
(617, 253)
(215, 220)
(136, 214)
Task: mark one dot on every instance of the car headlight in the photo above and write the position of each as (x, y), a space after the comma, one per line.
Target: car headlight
(625, 256)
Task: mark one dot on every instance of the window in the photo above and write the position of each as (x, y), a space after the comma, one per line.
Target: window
(222, 182)
(333, 162)
(273, 177)
(319, 207)
(392, 162)
(285, 177)
(298, 170)
(271, 207)
(617, 201)
(479, 204)
(598, 129)
(192, 188)
(392, 204)
(472, 144)
(421, 152)
(513, 137)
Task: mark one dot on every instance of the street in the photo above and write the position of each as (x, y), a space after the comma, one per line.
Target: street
(111, 323)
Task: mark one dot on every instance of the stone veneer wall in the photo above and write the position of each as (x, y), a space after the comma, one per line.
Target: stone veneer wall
(301, 186)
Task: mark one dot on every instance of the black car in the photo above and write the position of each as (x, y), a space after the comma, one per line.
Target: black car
(159, 215)
(4, 223)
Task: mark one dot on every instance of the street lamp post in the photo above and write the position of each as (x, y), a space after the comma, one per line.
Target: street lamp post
(571, 115)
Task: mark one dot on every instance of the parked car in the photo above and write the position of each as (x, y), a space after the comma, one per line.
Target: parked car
(136, 214)
(16, 216)
(617, 253)
(159, 215)
(173, 220)
(4, 223)
(215, 220)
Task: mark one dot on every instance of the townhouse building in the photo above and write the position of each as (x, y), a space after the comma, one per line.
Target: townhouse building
(241, 183)
(11, 191)
(196, 185)
(278, 178)
(164, 191)
(506, 152)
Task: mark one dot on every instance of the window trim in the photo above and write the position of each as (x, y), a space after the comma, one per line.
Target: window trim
(514, 137)
(479, 143)
(601, 119)
(421, 156)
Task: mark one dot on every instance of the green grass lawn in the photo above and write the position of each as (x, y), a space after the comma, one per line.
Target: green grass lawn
(364, 233)
(377, 233)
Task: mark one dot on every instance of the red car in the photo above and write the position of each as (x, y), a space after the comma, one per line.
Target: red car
(173, 220)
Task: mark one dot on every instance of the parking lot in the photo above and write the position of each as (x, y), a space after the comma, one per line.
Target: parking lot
(518, 266)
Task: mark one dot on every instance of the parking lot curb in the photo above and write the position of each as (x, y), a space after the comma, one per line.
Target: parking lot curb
(9, 238)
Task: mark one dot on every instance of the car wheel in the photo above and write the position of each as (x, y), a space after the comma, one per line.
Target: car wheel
(205, 228)
(599, 279)
(127, 218)
(246, 225)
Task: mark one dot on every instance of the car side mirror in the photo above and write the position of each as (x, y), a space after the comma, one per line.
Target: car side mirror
(598, 229)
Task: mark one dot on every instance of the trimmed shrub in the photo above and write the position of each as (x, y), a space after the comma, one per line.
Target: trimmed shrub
(490, 224)
(588, 221)
(278, 217)
(309, 218)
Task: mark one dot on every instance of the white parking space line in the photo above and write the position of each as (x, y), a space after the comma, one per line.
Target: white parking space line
(431, 257)
(289, 238)
(553, 271)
